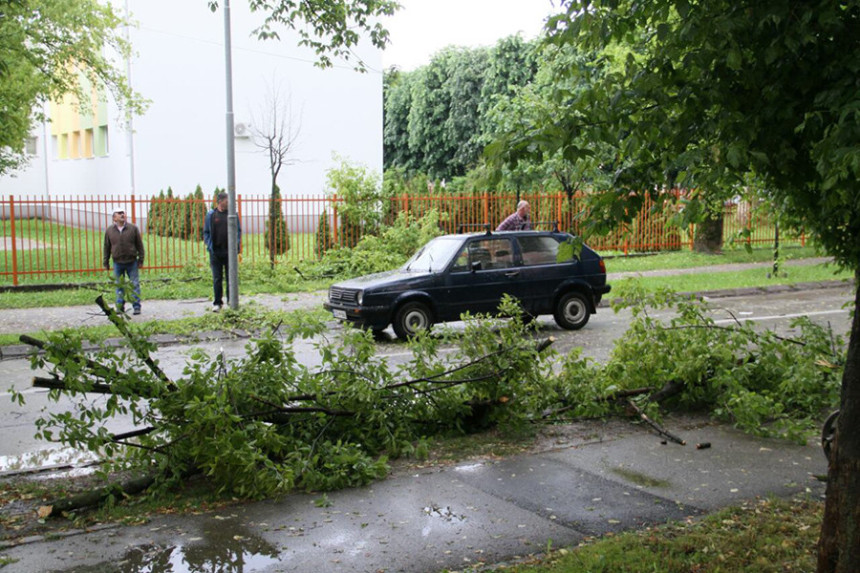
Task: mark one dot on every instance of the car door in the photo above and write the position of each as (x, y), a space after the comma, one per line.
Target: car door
(542, 271)
(483, 271)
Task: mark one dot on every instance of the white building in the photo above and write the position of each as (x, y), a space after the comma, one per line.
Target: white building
(180, 142)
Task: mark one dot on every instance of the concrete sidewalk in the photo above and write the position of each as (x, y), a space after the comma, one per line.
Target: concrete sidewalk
(598, 477)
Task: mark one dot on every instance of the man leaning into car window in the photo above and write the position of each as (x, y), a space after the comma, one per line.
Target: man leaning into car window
(518, 220)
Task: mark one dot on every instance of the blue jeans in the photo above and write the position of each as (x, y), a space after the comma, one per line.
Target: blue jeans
(220, 276)
(130, 270)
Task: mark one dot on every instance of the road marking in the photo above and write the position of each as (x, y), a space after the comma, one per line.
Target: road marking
(782, 316)
(25, 391)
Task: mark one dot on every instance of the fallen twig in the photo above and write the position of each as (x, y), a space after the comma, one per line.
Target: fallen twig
(660, 430)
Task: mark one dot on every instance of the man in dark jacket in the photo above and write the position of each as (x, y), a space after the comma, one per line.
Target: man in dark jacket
(124, 245)
(215, 238)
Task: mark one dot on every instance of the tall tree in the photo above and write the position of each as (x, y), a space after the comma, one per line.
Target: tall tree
(275, 132)
(48, 49)
(716, 90)
(437, 117)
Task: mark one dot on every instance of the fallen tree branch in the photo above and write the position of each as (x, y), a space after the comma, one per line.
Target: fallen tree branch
(609, 398)
(657, 427)
(141, 352)
(669, 389)
(96, 496)
(99, 370)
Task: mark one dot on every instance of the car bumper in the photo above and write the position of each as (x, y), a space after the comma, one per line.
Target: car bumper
(599, 292)
(375, 317)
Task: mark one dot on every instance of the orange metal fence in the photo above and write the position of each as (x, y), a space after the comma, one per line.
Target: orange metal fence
(46, 237)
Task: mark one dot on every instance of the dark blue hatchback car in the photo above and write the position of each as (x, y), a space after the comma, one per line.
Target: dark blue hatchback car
(545, 270)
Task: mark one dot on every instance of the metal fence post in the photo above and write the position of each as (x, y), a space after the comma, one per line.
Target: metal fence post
(14, 246)
(334, 218)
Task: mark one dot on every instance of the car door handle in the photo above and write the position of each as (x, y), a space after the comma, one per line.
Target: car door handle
(511, 274)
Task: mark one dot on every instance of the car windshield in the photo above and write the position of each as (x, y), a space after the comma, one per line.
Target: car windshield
(434, 256)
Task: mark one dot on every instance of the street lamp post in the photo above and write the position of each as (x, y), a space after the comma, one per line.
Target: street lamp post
(232, 217)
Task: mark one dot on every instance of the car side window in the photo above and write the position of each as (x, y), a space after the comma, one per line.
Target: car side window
(539, 250)
(461, 263)
(485, 254)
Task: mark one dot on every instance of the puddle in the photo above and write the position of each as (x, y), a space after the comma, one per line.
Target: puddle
(639, 479)
(236, 554)
(46, 458)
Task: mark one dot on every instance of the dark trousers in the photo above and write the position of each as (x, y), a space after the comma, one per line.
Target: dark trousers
(220, 277)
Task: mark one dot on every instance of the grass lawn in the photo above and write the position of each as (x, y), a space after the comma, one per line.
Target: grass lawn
(774, 535)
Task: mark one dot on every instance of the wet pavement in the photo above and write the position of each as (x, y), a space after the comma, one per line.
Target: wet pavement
(601, 479)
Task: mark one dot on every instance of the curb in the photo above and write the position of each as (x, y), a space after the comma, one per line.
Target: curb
(18, 351)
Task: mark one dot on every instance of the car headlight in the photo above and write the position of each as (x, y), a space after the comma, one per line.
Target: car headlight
(359, 297)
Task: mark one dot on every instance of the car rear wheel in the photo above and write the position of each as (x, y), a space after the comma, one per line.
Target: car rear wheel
(412, 318)
(572, 311)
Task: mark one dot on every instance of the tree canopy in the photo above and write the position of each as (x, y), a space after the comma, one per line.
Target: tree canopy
(704, 95)
(437, 116)
(713, 94)
(49, 48)
(331, 29)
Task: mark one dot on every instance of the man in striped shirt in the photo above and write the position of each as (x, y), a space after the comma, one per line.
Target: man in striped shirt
(518, 220)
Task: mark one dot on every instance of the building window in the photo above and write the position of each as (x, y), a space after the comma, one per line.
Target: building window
(102, 147)
(64, 146)
(88, 143)
(32, 146)
(75, 145)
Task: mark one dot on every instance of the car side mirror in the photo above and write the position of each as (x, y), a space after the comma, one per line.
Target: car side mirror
(476, 266)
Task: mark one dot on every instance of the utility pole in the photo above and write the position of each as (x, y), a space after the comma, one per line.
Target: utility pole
(232, 217)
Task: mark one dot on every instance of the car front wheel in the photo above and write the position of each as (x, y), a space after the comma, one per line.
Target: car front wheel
(572, 312)
(412, 318)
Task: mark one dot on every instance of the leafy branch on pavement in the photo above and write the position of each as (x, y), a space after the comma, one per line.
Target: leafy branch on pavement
(265, 424)
(763, 383)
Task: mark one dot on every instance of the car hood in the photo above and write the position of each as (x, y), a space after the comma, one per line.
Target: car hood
(387, 280)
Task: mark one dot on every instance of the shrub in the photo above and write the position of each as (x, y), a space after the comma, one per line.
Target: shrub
(276, 236)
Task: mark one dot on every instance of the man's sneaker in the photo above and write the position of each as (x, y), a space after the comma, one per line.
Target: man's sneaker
(216, 308)
(136, 311)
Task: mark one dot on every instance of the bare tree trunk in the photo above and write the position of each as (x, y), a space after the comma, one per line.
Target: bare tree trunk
(709, 234)
(839, 544)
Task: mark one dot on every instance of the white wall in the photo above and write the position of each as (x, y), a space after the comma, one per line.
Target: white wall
(181, 140)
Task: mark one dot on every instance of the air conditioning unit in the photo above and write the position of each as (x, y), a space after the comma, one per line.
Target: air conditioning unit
(241, 130)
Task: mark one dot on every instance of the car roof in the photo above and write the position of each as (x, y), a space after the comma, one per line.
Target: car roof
(503, 234)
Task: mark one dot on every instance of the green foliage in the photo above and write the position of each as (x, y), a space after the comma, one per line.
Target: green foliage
(324, 240)
(39, 39)
(436, 117)
(173, 217)
(764, 383)
(276, 236)
(766, 536)
(331, 30)
(361, 200)
(264, 423)
(374, 254)
(705, 98)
